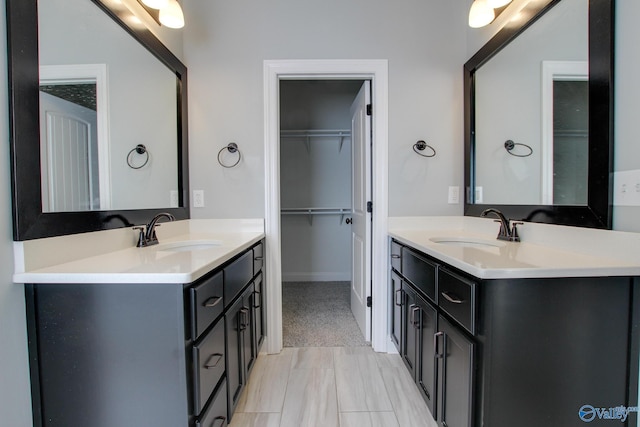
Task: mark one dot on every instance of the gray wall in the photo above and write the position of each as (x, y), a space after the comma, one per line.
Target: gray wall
(226, 43)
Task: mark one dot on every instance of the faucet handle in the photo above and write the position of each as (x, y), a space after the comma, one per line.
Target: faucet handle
(514, 230)
(141, 236)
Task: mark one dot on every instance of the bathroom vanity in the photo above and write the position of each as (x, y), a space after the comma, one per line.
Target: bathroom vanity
(122, 349)
(500, 334)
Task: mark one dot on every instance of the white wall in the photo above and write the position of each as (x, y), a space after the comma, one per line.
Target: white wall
(226, 43)
(316, 175)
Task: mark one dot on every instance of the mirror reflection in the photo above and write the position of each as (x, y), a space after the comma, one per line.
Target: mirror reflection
(101, 95)
(534, 92)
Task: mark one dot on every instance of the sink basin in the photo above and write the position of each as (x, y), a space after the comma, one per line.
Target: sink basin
(188, 245)
(467, 242)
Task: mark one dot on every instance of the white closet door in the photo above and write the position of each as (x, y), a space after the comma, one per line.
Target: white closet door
(361, 194)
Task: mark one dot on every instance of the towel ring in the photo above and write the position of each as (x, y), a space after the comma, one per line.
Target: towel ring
(510, 145)
(420, 146)
(139, 149)
(232, 147)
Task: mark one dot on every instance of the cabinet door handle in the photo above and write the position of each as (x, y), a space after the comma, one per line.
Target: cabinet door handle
(216, 419)
(256, 299)
(401, 303)
(210, 362)
(212, 302)
(395, 256)
(258, 258)
(243, 318)
(436, 353)
(416, 323)
(451, 297)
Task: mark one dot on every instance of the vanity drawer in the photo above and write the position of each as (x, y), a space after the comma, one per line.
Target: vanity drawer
(396, 256)
(258, 258)
(237, 275)
(206, 303)
(420, 271)
(208, 365)
(216, 413)
(457, 298)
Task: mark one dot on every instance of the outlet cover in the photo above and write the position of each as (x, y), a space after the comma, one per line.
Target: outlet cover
(626, 188)
(454, 195)
(198, 198)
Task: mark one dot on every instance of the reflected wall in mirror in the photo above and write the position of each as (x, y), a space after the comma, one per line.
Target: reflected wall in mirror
(543, 85)
(86, 90)
(73, 35)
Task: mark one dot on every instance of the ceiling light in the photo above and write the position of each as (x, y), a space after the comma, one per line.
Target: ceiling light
(480, 14)
(156, 4)
(498, 3)
(171, 16)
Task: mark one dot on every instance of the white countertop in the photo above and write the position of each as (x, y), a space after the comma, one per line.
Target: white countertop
(545, 250)
(153, 264)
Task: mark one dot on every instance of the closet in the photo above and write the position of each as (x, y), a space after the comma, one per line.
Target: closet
(316, 180)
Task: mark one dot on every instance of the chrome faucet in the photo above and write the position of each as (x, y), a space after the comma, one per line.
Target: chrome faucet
(147, 236)
(508, 230)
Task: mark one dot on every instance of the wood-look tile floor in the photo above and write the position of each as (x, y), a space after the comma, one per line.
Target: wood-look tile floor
(331, 387)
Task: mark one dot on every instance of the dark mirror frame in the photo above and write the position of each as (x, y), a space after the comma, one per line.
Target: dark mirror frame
(29, 222)
(598, 211)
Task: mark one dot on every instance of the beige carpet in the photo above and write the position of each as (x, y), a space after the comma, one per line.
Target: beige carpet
(318, 314)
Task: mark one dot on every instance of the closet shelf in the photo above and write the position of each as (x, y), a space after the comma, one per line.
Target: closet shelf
(310, 212)
(308, 134)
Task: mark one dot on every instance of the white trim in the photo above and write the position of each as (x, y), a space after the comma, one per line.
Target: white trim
(552, 71)
(90, 73)
(273, 72)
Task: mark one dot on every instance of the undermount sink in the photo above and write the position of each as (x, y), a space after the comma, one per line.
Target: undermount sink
(188, 245)
(467, 242)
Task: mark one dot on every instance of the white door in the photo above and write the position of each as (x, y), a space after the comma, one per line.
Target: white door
(69, 156)
(361, 194)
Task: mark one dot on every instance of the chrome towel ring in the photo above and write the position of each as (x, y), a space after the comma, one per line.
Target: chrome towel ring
(420, 146)
(232, 147)
(509, 145)
(139, 149)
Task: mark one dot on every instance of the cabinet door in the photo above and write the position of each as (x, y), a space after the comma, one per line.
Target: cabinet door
(235, 363)
(246, 329)
(257, 306)
(426, 362)
(455, 376)
(409, 335)
(397, 301)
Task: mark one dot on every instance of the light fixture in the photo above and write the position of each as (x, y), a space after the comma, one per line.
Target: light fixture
(498, 3)
(171, 15)
(156, 4)
(480, 14)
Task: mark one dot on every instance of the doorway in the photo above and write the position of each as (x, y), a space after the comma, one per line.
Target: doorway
(324, 274)
(274, 73)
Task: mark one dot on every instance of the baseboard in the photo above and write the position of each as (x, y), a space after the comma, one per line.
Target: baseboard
(316, 277)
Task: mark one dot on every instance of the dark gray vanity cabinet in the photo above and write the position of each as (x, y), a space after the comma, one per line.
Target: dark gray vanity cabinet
(528, 352)
(137, 354)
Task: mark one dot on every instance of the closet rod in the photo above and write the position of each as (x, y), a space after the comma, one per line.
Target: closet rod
(311, 133)
(310, 212)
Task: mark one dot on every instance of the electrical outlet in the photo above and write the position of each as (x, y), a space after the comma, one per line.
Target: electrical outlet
(454, 195)
(174, 201)
(198, 198)
(626, 188)
(478, 198)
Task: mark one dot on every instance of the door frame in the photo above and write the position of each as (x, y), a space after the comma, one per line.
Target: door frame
(377, 72)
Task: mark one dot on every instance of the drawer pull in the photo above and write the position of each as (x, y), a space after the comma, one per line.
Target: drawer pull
(256, 297)
(212, 302)
(399, 292)
(453, 298)
(258, 258)
(209, 364)
(395, 256)
(215, 421)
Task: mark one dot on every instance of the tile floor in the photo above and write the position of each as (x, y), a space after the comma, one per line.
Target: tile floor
(331, 387)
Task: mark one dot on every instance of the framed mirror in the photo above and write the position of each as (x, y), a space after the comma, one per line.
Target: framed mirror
(98, 114)
(539, 116)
